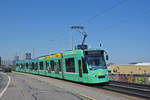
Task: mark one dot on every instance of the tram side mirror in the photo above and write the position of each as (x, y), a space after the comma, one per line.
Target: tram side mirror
(107, 57)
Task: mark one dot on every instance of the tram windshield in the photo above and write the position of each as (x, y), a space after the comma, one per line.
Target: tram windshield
(96, 61)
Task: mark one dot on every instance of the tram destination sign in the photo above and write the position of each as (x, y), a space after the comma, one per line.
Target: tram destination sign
(100, 52)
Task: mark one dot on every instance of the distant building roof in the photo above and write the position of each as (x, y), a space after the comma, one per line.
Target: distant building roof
(142, 64)
(135, 62)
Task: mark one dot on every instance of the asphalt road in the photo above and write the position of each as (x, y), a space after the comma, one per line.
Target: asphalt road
(3, 83)
(33, 87)
(26, 88)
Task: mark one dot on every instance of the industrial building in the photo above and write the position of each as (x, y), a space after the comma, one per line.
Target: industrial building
(27, 56)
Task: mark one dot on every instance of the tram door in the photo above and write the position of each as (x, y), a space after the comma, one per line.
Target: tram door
(80, 69)
(62, 68)
(56, 67)
(47, 67)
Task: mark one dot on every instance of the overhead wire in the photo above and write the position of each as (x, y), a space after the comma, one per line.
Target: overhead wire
(101, 13)
(126, 20)
(104, 11)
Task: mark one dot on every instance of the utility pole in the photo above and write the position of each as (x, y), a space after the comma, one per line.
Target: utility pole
(32, 53)
(24, 55)
(71, 42)
(0, 61)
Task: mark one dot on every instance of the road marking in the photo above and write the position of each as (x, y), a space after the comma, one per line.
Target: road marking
(87, 96)
(1, 94)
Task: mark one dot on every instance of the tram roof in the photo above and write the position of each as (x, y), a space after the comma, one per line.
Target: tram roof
(76, 51)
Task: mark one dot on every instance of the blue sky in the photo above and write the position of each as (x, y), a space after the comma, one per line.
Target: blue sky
(123, 31)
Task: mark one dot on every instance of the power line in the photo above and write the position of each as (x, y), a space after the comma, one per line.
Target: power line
(104, 11)
(126, 20)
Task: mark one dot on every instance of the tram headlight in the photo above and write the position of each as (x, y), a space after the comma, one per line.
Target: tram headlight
(99, 73)
(94, 75)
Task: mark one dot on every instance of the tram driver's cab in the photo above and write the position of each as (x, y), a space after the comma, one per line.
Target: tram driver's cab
(96, 63)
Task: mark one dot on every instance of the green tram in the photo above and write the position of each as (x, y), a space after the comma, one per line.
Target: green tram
(85, 66)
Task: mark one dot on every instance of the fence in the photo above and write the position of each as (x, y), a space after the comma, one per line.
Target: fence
(137, 79)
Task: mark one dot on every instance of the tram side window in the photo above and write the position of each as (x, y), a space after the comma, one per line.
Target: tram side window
(16, 65)
(21, 66)
(52, 65)
(47, 64)
(24, 66)
(84, 66)
(27, 65)
(30, 66)
(59, 64)
(33, 66)
(36, 66)
(41, 65)
(70, 65)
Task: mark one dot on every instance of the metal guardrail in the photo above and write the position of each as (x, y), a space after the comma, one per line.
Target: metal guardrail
(129, 88)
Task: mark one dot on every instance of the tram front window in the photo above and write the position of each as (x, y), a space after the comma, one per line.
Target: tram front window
(96, 62)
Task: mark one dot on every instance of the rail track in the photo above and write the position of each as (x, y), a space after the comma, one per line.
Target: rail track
(128, 88)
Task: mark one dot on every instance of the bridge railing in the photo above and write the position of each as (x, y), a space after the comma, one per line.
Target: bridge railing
(129, 78)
